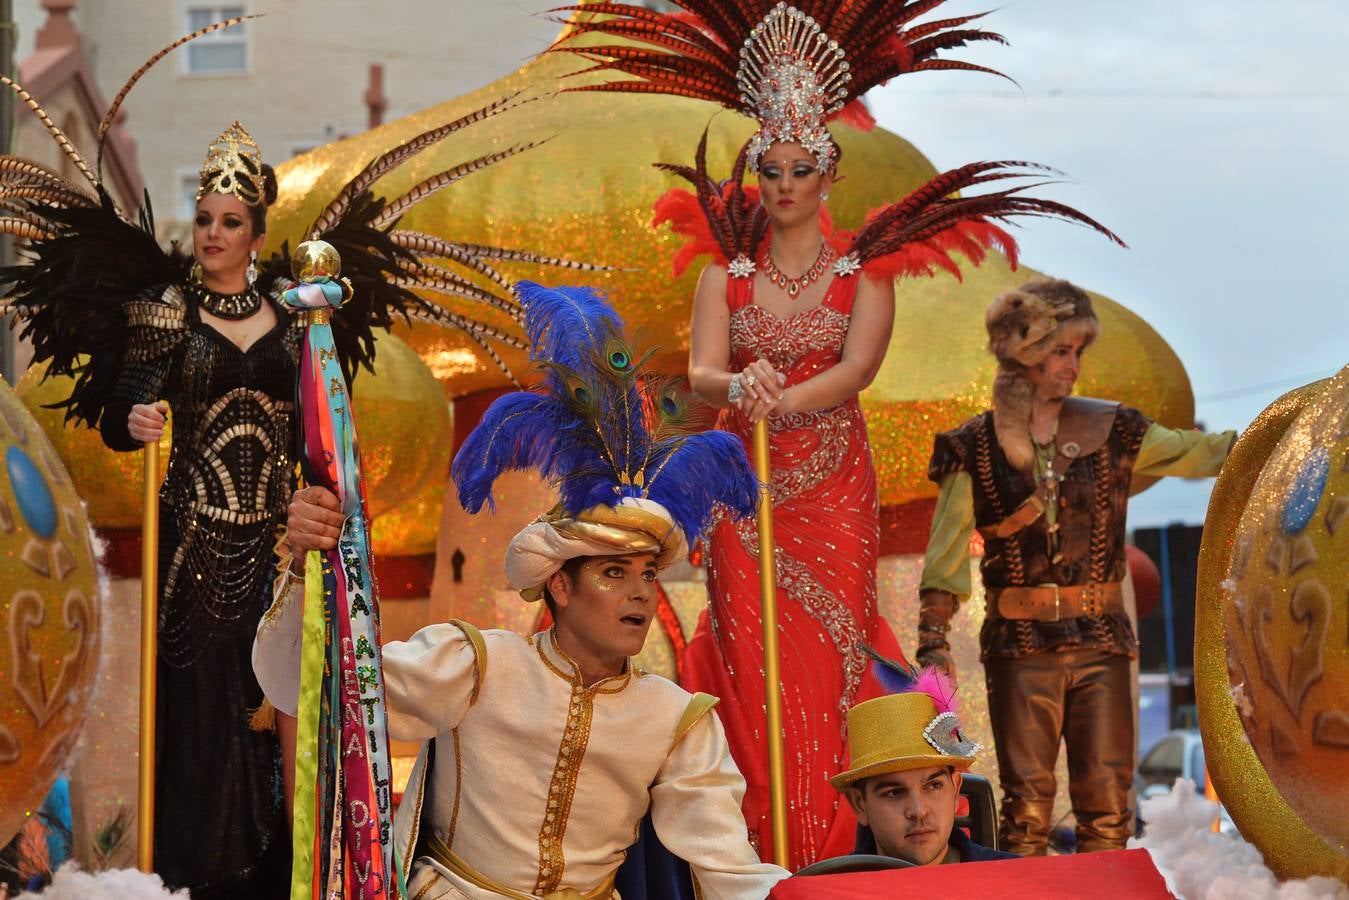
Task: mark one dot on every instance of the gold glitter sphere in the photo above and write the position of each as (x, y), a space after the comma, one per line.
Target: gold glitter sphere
(577, 198)
(315, 259)
(1272, 632)
(410, 529)
(49, 615)
(110, 481)
(403, 425)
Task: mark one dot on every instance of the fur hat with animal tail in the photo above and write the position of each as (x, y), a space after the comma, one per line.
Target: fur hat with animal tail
(1023, 327)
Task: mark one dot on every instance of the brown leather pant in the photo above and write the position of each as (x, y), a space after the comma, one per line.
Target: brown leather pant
(1083, 697)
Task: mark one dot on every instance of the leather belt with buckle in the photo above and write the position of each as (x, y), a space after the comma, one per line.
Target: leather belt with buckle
(1052, 602)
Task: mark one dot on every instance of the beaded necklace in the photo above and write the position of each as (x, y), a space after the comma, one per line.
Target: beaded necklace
(794, 286)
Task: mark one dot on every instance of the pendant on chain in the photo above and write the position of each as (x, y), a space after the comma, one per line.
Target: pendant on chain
(794, 286)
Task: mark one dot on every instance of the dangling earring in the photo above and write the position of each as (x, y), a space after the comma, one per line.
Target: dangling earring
(824, 197)
(196, 273)
(252, 273)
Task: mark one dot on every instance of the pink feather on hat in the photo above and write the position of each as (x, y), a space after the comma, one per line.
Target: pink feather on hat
(937, 685)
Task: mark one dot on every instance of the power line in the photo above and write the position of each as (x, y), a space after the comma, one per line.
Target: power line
(1266, 386)
(1058, 94)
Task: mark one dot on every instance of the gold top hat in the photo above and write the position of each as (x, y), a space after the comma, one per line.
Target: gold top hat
(900, 732)
(233, 165)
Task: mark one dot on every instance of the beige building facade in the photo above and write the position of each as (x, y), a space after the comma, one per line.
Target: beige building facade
(298, 76)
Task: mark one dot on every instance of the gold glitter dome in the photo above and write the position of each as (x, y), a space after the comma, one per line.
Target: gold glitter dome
(49, 615)
(577, 197)
(403, 425)
(1271, 654)
(410, 529)
(109, 482)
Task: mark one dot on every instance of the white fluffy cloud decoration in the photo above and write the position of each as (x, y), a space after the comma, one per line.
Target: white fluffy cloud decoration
(1201, 864)
(71, 883)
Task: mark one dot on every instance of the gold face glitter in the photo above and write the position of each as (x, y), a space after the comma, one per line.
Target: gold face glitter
(1271, 654)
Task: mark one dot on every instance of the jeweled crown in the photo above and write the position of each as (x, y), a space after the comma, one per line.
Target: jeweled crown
(233, 165)
(792, 76)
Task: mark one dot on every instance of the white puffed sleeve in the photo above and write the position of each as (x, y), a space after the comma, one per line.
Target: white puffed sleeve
(430, 680)
(695, 808)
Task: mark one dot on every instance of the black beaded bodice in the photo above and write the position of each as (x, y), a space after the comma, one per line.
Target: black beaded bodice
(230, 468)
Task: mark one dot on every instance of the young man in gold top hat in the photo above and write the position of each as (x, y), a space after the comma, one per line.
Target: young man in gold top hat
(908, 756)
(542, 754)
(1045, 477)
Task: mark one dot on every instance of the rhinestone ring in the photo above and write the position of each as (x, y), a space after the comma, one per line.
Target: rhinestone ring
(750, 381)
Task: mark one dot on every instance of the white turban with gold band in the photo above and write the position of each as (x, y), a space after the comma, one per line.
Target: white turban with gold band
(635, 525)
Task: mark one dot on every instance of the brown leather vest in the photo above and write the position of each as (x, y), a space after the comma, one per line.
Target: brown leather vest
(1093, 500)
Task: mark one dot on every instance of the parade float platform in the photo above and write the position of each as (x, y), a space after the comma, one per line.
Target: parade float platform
(1118, 873)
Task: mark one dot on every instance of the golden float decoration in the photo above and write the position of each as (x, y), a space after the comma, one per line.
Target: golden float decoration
(49, 615)
(1272, 632)
(575, 197)
(110, 481)
(411, 527)
(403, 422)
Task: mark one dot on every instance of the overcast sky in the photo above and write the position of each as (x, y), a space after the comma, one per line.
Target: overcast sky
(1213, 135)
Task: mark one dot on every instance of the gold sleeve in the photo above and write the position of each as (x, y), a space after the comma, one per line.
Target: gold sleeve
(699, 705)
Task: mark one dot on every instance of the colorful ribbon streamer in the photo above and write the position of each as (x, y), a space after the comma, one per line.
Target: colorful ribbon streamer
(343, 828)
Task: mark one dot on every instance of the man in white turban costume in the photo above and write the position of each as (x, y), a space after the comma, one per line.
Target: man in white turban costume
(541, 755)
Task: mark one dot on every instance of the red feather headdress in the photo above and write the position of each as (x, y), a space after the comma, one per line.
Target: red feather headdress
(792, 67)
(916, 236)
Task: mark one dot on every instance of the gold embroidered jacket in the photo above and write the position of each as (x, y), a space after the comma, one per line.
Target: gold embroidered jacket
(528, 783)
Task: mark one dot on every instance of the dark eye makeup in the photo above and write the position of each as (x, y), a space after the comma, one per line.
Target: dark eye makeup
(202, 221)
(798, 171)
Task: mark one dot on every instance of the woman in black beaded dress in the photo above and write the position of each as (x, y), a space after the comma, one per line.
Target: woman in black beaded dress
(138, 328)
(222, 353)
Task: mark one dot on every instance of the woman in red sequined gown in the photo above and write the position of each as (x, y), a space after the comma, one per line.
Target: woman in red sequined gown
(803, 349)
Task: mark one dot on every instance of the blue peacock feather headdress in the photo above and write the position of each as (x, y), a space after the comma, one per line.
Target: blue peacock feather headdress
(599, 430)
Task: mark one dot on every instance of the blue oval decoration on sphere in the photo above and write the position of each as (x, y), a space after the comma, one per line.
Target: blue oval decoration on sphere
(1305, 494)
(33, 493)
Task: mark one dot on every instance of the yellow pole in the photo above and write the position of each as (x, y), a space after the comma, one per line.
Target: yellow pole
(145, 817)
(768, 591)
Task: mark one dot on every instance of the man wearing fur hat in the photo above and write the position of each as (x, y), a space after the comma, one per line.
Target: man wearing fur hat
(1044, 476)
(542, 754)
